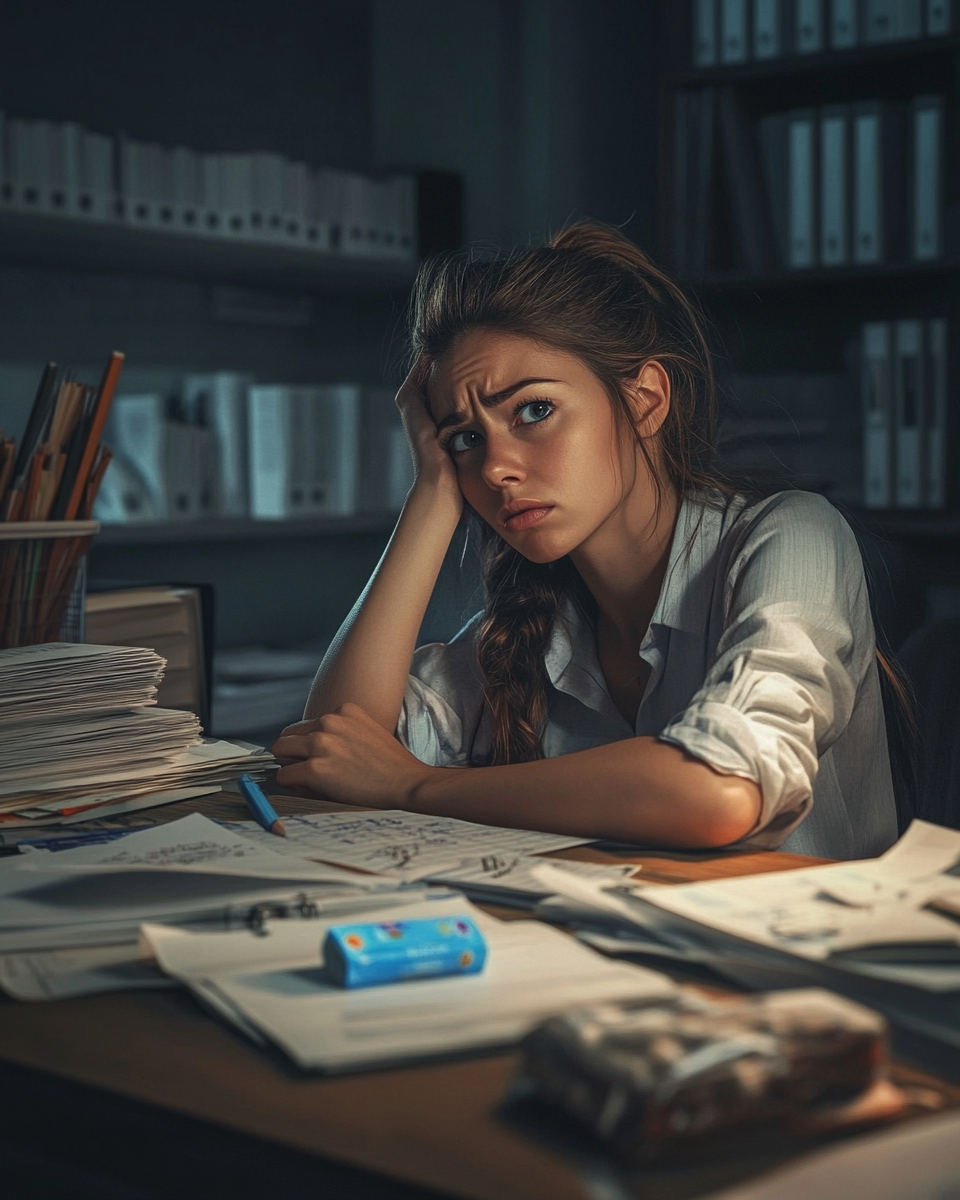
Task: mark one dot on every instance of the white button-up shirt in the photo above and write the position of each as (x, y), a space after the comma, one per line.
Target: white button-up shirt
(762, 657)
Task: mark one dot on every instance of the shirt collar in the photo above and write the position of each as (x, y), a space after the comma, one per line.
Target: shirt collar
(690, 570)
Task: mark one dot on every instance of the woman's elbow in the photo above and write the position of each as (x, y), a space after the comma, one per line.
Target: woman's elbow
(731, 815)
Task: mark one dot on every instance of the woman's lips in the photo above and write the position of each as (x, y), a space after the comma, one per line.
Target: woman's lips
(527, 517)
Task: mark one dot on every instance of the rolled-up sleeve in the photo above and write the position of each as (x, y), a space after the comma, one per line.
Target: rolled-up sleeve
(442, 701)
(795, 649)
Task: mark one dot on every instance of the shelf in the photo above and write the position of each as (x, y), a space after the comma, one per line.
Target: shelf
(237, 529)
(900, 524)
(829, 62)
(37, 240)
(824, 277)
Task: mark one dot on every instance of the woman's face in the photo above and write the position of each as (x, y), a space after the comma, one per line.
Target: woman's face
(535, 440)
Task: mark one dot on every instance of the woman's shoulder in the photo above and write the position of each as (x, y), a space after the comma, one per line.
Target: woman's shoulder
(789, 508)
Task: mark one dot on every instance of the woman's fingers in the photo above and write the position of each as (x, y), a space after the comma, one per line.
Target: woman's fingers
(347, 756)
(431, 462)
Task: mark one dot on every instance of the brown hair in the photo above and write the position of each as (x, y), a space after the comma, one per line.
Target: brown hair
(590, 292)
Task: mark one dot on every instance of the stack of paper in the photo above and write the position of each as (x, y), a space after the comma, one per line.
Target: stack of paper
(884, 931)
(274, 989)
(80, 735)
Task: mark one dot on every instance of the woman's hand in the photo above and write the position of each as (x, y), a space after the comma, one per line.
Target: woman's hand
(433, 467)
(346, 756)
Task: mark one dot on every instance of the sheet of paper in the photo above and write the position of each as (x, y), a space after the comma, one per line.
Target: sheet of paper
(790, 911)
(519, 873)
(923, 850)
(57, 974)
(531, 972)
(104, 808)
(407, 845)
(185, 767)
(193, 844)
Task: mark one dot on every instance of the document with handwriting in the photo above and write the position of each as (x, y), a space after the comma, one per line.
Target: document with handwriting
(408, 845)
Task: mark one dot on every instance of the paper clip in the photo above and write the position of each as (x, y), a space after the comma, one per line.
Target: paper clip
(260, 914)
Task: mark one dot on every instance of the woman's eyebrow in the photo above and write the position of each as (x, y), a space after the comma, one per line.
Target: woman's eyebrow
(491, 400)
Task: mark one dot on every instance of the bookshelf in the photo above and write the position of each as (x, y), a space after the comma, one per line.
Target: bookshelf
(31, 239)
(234, 529)
(774, 319)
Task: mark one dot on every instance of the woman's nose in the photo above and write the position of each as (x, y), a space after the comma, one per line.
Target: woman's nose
(502, 462)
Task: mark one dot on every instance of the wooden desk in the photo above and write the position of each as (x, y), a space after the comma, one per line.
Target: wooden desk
(142, 1094)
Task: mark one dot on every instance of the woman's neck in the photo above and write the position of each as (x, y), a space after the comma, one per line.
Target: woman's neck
(624, 563)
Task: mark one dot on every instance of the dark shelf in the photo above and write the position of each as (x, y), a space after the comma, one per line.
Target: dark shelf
(825, 277)
(239, 529)
(899, 524)
(38, 240)
(828, 62)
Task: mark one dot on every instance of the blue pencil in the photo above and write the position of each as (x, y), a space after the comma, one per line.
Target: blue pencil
(260, 806)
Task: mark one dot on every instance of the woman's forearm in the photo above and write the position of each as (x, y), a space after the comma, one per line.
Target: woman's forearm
(369, 659)
(638, 789)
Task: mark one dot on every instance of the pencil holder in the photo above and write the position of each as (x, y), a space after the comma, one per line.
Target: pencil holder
(43, 580)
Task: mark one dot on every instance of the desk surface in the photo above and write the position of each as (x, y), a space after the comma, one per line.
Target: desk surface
(434, 1127)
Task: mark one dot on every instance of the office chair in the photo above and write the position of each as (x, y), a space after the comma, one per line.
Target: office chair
(930, 659)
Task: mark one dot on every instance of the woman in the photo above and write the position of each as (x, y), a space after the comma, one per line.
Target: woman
(660, 660)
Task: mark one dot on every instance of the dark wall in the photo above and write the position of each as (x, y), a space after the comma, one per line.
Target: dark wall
(547, 107)
(287, 75)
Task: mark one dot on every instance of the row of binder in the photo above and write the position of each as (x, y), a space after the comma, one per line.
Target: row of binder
(61, 169)
(736, 31)
(904, 382)
(841, 185)
(863, 182)
(231, 448)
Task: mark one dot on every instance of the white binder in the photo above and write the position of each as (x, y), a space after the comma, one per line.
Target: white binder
(279, 442)
(878, 182)
(139, 435)
(187, 171)
(908, 408)
(218, 400)
(876, 396)
(733, 31)
(935, 393)
(265, 218)
(96, 194)
(927, 171)
(704, 33)
(808, 26)
(336, 449)
(802, 190)
(844, 26)
(766, 29)
(834, 185)
(939, 17)
(880, 20)
(236, 194)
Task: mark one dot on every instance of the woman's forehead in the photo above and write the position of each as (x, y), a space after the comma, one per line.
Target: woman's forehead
(483, 362)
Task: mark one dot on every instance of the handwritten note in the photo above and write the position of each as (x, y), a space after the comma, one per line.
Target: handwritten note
(408, 845)
(193, 844)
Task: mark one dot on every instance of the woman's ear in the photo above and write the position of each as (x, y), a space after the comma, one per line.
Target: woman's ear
(648, 394)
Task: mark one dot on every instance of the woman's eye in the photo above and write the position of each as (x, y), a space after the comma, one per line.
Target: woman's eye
(536, 410)
(466, 439)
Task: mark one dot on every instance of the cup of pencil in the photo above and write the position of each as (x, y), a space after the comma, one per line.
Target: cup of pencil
(47, 489)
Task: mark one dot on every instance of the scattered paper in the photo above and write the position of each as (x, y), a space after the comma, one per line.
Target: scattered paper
(57, 974)
(276, 985)
(499, 876)
(406, 845)
(194, 844)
